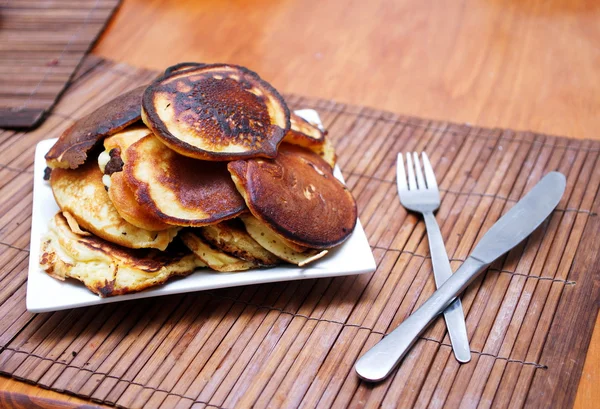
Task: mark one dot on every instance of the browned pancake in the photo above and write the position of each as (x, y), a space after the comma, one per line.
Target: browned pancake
(273, 243)
(124, 201)
(307, 135)
(115, 146)
(231, 237)
(183, 66)
(125, 138)
(105, 268)
(297, 196)
(111, 162)
(181, 191)
(81, 193)
(72, 147)
(216, 112)
(213, 257)
(303, 132)
(327, 152)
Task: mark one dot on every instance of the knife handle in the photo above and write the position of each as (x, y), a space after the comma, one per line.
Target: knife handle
(380, 360)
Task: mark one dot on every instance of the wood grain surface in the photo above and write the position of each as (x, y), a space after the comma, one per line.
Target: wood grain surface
(294, 343)
(519, 64)
(524, 64)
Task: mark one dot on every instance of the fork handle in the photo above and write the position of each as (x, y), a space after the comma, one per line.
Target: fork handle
(453, 314)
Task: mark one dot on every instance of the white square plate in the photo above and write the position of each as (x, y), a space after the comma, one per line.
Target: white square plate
(45, 293)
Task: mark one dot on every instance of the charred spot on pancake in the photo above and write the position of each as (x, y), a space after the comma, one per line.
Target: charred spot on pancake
(107, 289)
(224, 111)
(47, 173)
(72, 147)
(297, 196)
(216, 112)
(115, 164)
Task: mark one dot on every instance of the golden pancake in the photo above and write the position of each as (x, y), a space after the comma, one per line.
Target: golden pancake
(74, 226)
(112, 158)
(303, 132)
(297, 196)
(81, 193)
(111, 162)
(105, 268)
(181, 191)
(216, 112)
(212, 257)
(125, 138)
(71, 149)
(232, 238)
(183, 66)
(327, 152)
(125, 203)
(278, 246)
(307, 135)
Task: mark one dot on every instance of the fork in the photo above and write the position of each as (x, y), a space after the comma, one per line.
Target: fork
(423, 196)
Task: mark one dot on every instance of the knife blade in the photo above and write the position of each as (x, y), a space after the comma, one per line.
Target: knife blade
(512, 228)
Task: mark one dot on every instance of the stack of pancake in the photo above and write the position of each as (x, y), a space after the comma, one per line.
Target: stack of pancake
(204, 167)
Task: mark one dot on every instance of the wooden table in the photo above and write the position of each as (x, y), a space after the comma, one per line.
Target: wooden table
(520, 64)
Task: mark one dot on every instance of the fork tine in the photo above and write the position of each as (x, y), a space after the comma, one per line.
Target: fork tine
(420, 180)
(429, 174)
(412, 182)
(401, 174)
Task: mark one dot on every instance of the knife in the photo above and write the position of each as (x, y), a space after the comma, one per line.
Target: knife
(512, 228)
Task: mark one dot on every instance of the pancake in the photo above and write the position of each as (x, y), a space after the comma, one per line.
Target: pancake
(307, 135)
(326, 152)
(179, 190)
(105, 268)
(303, 132)
(232, 238)
(112, 158)
(216, 112)
(278, 246)
(213, 257)
(128, 208)
(111, 162)
(125, 138)
(297, 196)
(183, 66)
(71, 149)
(81, 193)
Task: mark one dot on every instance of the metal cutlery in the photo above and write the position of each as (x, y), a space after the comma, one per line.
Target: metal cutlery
(421, 194)
(512, 228)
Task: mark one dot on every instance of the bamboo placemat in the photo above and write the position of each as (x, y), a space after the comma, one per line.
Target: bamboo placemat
(530, 317)
(41, 44)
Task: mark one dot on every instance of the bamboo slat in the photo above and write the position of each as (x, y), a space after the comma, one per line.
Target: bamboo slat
(41, 45)
(294, 344)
